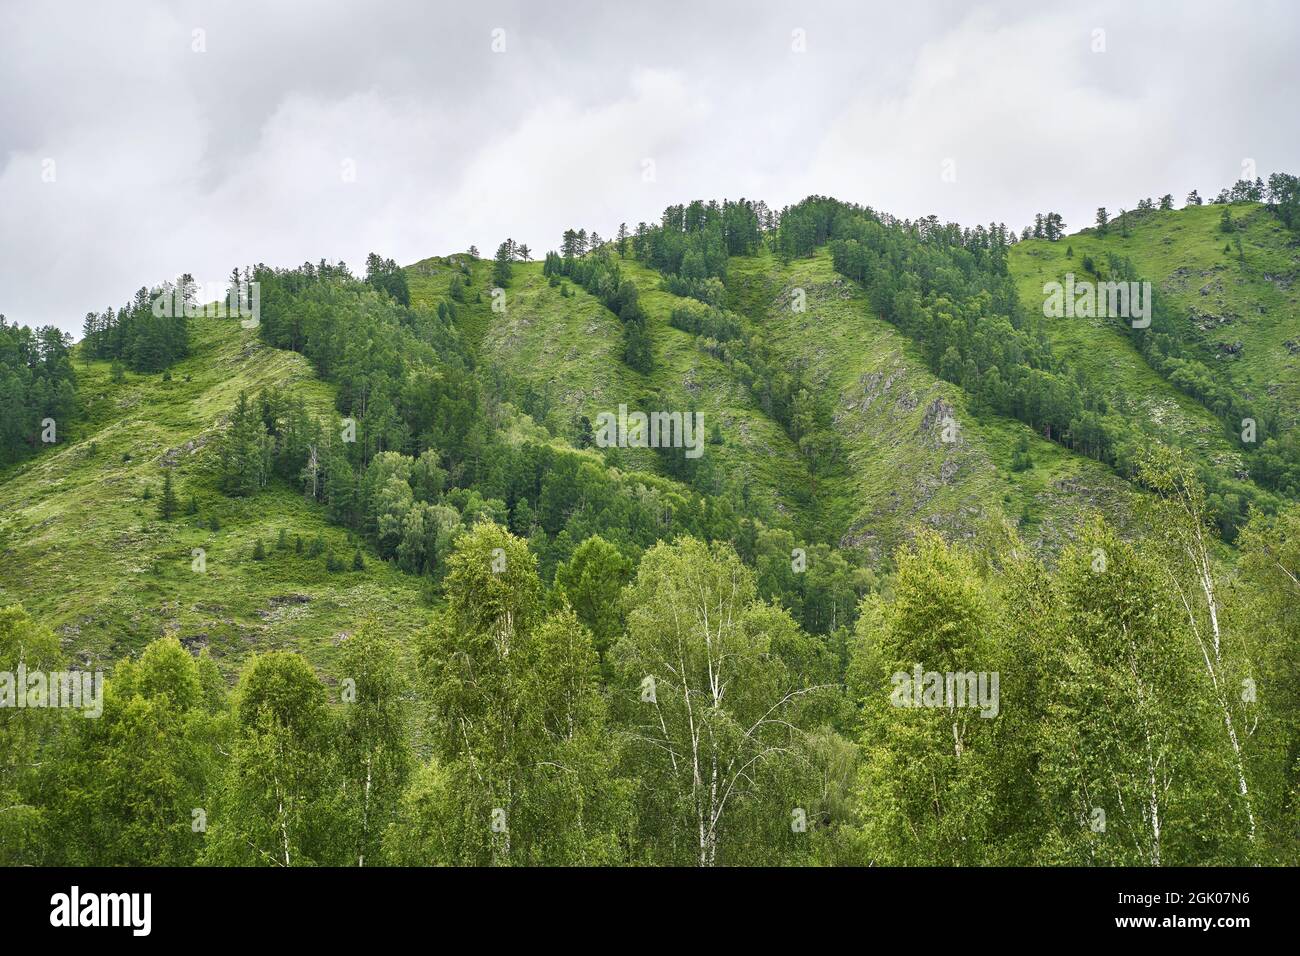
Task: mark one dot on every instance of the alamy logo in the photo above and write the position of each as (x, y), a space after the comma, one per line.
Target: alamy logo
(103, 909)
(655, 430)
(75, 690)
(1084, 299)
(949, 690)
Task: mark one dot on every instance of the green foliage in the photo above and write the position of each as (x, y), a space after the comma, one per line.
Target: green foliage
(519, 720)
(374, 756)
(133, 785)
(387, 276)
(599, 274)
(245, 451)
(37, 382)
(274, 803)
(719, 715)
(25, 834)
(768, 614)
(148, 334)
(932, 770)
(167, 505)
(592, 582)
(501, 264)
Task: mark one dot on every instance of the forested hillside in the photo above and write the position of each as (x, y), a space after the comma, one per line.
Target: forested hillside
(371, 584)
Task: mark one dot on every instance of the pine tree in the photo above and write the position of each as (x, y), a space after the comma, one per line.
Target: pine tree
(501, 265)
(167, 506)
(244, 451)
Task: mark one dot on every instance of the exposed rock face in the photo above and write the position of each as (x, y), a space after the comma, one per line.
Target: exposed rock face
(935, 413)
(194, 643)
(1205, 321)
(172, 455)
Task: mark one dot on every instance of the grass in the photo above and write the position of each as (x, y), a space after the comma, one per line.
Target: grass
(566, 350)
(84, 549)
(897, 472)
(1218, 298)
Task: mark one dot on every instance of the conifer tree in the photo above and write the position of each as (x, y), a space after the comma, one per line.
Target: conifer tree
(501, 265)
(167, 505)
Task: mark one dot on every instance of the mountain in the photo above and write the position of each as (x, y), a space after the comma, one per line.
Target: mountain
(83, 547)
(78, 514)
(371, 581)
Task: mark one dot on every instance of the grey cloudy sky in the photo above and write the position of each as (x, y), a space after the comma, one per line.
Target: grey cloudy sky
(128, 157)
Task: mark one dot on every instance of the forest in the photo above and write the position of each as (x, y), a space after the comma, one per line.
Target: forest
(631, 665)
(668, 713)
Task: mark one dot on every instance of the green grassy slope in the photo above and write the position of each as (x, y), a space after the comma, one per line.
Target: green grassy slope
(85, 552)
(1246, 317)
(83, 548)
(566, 351)
(755, 448)
(888, 406)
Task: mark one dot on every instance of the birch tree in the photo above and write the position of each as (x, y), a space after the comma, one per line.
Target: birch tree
(276, 802)
(374, 752)
(928, 788)
(518, 720)
(128, 781)
(1130, 771)
(716, 719)
(1267, 617)
(23, 735)
(1181, 521)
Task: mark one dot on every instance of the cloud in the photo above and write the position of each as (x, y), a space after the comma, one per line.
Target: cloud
(172, 160)
(589, 163)
(1062, 110)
